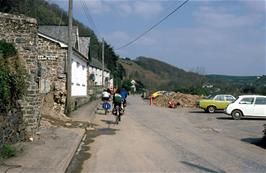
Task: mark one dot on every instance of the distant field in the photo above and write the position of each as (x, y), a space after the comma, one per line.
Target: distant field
(232, 78)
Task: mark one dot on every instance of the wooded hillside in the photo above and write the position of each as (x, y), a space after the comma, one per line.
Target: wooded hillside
(51, 14)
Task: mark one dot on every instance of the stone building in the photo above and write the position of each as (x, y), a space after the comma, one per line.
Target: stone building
(44, 57)
(44, 52)
(60, 33)
(22, 32)
(52, 80)
(53, 53)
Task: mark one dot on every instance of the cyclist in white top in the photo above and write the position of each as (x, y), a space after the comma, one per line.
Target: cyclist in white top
(105, 95)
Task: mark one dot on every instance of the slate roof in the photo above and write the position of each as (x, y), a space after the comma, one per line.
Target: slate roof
(84, 43)
(60, 33)
(96, 63)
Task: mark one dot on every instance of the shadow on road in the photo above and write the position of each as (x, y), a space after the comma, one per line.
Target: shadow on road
(224, 118)
(109, 122)
(245, 118)
(260, 142)
(202, 168)
(203, 112)
(197, 112)
(102, 112)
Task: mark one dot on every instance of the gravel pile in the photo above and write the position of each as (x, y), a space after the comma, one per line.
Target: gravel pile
(173, 100)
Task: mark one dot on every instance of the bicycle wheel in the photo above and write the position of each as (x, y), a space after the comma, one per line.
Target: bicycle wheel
(117, 115)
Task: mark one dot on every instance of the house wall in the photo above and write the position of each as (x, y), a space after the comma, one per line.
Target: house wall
(79, 88)
(111, 83)
(98, 76)
(79, 76)
(52, 59)
(22, 32)
(52, 82)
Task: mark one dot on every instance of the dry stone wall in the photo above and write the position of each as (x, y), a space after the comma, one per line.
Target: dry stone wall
(22, 32)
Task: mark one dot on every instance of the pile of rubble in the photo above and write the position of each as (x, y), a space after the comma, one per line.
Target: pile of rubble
(173, 100)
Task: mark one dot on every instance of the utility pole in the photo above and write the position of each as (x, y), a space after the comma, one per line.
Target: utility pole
(103, 82)
(69, 59)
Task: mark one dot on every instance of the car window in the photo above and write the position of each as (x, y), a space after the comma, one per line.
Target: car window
(229, 98)
(219, 98)
(260, 101)
(210, 97)
(247, 100)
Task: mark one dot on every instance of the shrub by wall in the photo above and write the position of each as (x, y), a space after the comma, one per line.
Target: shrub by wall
(12, 88)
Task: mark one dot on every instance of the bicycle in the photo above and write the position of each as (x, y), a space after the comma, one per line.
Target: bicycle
(106, 106)
(117, 111)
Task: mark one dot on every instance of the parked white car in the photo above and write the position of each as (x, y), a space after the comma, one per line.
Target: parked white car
(247, 105)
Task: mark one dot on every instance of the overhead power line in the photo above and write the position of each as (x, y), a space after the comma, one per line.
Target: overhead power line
(153, 26)
(88, 16)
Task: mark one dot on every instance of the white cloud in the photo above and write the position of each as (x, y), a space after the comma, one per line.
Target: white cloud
(147, 41)
(97, 6)
(124, 9)
(117, 38)
(147, 9)
(256, 5)
(223, 18)
(121, 37)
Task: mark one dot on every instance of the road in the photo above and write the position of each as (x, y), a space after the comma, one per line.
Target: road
(153, 139)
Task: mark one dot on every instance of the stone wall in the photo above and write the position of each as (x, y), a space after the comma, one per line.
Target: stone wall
(12, 127)
(51, 61)
(22, 32)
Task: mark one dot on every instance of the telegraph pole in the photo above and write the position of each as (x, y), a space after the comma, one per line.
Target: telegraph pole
(103, 82)
(69, 59)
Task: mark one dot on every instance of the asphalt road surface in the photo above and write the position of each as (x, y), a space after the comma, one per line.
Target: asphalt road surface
(153, 139)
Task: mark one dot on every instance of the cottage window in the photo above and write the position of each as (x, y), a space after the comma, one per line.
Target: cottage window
(78, 64)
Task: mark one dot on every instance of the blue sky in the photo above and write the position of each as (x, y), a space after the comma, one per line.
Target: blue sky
(216, 36)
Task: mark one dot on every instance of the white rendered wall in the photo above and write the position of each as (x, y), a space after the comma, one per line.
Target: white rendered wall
(79, 77)
(98, 76)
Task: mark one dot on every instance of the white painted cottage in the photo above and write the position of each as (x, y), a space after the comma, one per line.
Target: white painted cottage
(79, 72)
(95, 71)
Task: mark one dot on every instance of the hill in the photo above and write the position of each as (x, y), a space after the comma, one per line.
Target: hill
(239, 84)
(233, 79)
(158, 75)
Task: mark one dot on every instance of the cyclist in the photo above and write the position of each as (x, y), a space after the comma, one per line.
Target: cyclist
(123, 93)
(105, 98)
(105, 95)
(117, 101)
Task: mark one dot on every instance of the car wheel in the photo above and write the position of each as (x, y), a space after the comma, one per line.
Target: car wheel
(237, 114)
(211, 109)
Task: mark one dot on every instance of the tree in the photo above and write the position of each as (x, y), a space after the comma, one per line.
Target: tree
(127, 84)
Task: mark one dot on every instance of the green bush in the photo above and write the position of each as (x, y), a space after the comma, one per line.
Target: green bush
(7, 49)
(13, 77)
(7, 151)
(192, 90)
(127, 84)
